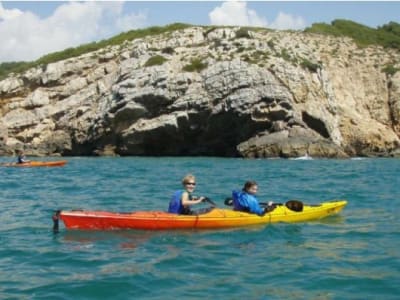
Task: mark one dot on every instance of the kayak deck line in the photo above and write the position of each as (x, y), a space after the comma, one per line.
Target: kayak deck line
(213, 219)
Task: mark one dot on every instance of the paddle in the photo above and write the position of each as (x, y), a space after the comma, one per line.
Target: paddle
(202, 211)
(229, 202)
(206, 199)
(56, 218)
(295, 205)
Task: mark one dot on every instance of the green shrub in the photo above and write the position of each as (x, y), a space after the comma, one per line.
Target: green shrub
(285, 55)
(312, 67)
(391, 27)
(387, 36)
(209, 30)
(13, 67)
(242, 32)
(19, 67)
(196, 65)
(390, 70)
(271, 44)
(155, 61)
(246, 58)
(323, 28)
(258, 54)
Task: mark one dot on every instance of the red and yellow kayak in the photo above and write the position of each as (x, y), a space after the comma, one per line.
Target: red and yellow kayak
(216, 218)
(58, 163)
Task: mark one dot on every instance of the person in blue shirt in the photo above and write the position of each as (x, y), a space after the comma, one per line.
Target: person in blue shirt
(246, 200)
(183, 199)
(21, 157)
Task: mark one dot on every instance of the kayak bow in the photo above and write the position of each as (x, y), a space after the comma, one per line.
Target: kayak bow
(215, 218)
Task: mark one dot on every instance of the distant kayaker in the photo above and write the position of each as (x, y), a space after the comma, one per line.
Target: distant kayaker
(183, 199)
(21, 157)
(245, 200)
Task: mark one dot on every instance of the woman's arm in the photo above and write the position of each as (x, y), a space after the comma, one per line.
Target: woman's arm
(186, 201)
(253, 205)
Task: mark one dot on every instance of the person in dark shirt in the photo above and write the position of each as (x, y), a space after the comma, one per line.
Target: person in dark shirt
(21, 157)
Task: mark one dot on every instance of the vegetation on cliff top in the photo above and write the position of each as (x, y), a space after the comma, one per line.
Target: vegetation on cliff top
(387, 35)
(18, 67)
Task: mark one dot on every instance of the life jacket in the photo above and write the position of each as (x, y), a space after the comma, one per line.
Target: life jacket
(175, 205)
(236, 195)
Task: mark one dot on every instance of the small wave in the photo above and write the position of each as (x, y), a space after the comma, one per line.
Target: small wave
(304, 157)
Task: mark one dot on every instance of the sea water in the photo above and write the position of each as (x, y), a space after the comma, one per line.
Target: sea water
(354, 255)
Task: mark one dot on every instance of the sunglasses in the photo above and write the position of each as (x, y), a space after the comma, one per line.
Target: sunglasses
(190, 183)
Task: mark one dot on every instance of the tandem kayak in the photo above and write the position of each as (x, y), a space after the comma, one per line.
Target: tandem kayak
(215, 218)
(58, 163)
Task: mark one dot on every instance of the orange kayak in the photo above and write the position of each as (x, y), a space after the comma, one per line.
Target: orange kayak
(58, 163)
(215, 218)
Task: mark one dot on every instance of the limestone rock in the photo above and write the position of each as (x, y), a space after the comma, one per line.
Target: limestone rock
(220, 91)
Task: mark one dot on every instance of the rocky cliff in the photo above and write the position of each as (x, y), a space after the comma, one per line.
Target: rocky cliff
(199, 91)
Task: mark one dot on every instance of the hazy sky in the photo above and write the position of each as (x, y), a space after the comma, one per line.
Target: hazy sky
(30, 29)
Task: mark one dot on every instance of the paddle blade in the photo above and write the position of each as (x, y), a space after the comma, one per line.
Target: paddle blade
(228, 201)
(56, 218)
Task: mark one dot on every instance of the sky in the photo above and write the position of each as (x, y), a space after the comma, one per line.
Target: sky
(31, 29)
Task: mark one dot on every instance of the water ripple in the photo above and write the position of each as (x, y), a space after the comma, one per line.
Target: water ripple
(351, 256)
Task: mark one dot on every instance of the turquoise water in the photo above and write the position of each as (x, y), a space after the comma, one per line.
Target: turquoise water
(354, 255)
